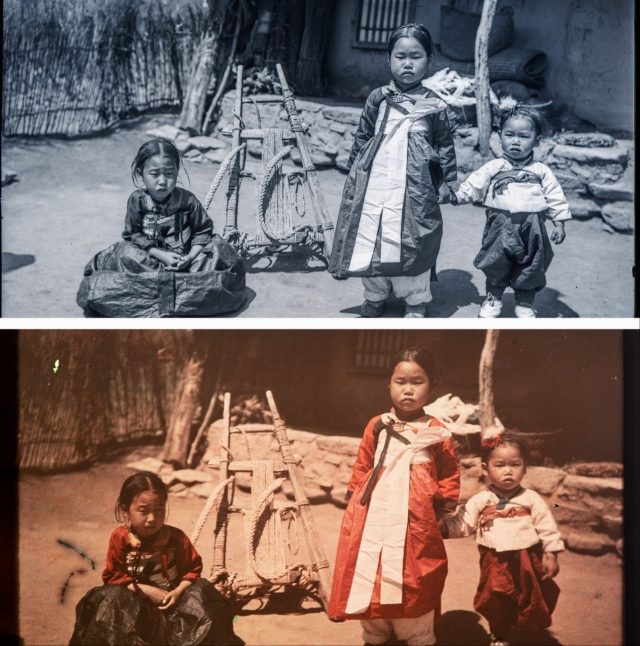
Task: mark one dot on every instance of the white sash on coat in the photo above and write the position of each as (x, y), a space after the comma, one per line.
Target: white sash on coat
(385, 529)
(384, 198)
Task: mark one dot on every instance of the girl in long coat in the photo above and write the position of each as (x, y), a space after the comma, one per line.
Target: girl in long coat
(390, 225)
(391, 562)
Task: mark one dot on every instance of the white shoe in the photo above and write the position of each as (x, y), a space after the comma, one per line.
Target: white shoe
(491, 308)
(525, 311)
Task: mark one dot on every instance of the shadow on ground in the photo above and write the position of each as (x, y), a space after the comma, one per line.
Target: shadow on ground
(300, 260)
(453, 290)
(463, 628)
(289, 601)
(12, 261)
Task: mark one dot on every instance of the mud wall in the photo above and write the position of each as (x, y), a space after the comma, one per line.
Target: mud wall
(589, 45)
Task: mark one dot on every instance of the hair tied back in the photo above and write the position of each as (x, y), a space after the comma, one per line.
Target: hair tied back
(492, 441)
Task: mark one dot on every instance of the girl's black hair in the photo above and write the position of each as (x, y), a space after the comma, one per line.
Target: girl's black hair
(135, 485)
(505, 439)
(540, 124)
(422, 357)
(151, 148)
(412, 30)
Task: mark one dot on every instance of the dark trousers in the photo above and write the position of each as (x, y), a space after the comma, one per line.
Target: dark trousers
(523, 296)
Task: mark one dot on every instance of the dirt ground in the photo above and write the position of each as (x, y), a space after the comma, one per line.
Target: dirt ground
(70, 201)
(77, 507)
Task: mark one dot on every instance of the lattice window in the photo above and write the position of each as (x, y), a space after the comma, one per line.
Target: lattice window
(375, 348)
(376, 19)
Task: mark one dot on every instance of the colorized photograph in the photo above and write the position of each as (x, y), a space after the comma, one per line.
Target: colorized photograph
(319, 487)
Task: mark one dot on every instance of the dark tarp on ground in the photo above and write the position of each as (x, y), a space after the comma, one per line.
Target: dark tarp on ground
(113, 614)
(124, 281)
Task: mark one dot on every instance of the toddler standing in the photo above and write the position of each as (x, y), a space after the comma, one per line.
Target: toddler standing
(518, 541)
(520, 194)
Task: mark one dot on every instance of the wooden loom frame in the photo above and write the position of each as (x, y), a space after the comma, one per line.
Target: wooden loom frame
(317, 574)
(322, 236)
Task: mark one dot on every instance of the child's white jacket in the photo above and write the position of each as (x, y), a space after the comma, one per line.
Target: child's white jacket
(517, 532)
(517, 197)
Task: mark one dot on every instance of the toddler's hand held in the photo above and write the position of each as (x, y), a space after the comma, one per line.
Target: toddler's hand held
(558, 234)
(444, 194)
(550, 565)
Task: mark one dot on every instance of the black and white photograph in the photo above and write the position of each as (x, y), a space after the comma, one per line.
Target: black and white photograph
(318, 158)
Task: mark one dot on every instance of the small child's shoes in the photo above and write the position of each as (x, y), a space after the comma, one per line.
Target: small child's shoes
(524, 311)
(491, 308)
(418, 311)
(372, 309)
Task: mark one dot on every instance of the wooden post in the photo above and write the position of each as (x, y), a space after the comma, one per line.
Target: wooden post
(483, 104)
(316, 553)
(231, 224)
(486, 408)
(176, 444)
(220, 532)
(225, 76)
(319, 205)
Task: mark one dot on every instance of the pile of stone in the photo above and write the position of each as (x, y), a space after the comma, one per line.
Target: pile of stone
(594, 169)
(586, 498)
(194, 149)
(180, 482)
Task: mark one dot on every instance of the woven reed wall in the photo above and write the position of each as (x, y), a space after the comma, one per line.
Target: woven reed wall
(111, 387)
(78, 66)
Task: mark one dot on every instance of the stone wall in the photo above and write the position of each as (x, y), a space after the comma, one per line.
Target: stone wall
(596, 171)
(586, 499)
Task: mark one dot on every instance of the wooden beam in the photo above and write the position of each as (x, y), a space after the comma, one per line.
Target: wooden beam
(288, 136)
(483, 103)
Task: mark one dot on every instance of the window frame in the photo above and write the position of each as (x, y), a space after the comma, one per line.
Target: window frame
(411, 10)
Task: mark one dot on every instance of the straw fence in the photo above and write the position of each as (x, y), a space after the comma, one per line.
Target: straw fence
(109, 388)
(79, 66)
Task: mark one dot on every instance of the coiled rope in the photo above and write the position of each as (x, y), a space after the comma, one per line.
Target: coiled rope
(212, 501)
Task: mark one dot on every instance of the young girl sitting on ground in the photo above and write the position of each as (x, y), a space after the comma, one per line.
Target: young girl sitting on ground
(152, 592)
(391, 563)
(166, 230)
(390, 226)
(518, 541)
(519, 194)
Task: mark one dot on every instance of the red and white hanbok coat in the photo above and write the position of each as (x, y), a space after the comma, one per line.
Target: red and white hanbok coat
(391, 561)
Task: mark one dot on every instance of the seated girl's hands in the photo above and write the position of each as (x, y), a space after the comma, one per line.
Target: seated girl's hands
(558, 234)
(168, 258)
(156, 595)
(171, 598)
(444, 194)
(550, 565)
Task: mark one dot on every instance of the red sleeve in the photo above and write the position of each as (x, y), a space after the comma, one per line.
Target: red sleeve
(189, 561)
(115, 573)
(366, 456)
(448, 471)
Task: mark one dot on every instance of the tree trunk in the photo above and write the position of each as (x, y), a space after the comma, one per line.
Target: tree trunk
(309, 77)
(486, 410)
(176, 444)
(483, 104)
(193, 107)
